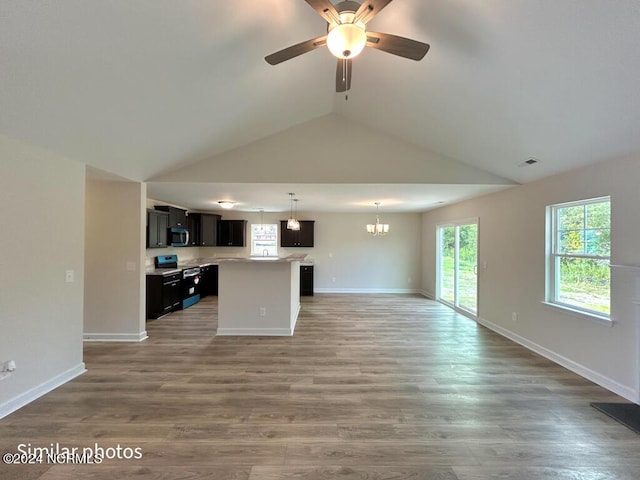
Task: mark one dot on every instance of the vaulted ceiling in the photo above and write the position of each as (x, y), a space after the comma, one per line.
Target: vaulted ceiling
(144, 88)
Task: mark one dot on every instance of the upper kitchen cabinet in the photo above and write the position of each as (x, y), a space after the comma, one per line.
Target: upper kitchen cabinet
(177, 216)
(193, 225)
(297, 238)
(232, 233)
(203, 229)
(157, 225)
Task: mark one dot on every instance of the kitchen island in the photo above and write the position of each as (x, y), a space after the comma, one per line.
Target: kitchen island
(258, 295)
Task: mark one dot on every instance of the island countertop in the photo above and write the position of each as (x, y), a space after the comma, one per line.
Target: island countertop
(204, 262)
(270, 259)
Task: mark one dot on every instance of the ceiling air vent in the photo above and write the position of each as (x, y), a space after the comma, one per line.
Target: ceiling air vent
(528, 162)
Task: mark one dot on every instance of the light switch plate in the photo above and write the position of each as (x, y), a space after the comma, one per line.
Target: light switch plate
(69, 276)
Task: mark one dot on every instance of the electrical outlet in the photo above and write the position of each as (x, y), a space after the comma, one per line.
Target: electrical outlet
(69, 276)
(333, 279)
(409, 280)
(7, 369)
(514, 316)
(263, 311)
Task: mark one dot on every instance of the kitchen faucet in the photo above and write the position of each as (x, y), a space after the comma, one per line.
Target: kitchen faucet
(265, 253)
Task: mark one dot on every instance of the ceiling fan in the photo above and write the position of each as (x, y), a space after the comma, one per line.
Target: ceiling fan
(347, 36)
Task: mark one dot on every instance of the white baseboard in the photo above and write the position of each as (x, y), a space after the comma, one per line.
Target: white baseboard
(366, 290)
(115, 337)
(32, 394)
(429, 295)
(605, 382)
(256, 332)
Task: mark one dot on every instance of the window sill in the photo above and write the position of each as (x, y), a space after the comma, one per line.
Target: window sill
(605, 321)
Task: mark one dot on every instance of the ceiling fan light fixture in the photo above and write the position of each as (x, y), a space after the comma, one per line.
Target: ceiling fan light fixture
(346, 40)
(226, 204)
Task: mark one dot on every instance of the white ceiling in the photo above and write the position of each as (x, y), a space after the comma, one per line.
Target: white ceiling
(141, 88)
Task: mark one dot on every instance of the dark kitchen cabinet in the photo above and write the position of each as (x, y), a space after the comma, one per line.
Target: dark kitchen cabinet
(203, 229)
(306, 280)
(209, 281)
(232, 233)
(209, 229)
(193, 225)
(297, 238)
(164, 294)
(177, 216)
(157, 224)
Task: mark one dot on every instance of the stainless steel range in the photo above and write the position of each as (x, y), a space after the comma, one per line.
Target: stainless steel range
(191, 277)
(191, 286)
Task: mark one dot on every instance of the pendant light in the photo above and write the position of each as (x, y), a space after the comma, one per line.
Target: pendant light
(377, 229)
(292, 223)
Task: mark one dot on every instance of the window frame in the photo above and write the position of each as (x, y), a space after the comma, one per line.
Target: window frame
(253, 252)
(552, 287)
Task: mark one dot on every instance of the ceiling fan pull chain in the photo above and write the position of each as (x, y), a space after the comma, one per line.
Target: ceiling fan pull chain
(344, 80)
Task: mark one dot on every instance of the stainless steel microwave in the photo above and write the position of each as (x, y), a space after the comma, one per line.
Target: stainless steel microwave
(178, 237)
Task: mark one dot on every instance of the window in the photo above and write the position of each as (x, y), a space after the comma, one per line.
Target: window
(264, 239)
(578, 262)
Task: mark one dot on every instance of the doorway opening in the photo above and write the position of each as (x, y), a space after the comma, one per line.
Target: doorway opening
(457, 265)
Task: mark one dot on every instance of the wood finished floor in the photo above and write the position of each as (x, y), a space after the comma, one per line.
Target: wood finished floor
(375, 387)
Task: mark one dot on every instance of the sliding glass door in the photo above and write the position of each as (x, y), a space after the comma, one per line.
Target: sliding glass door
(458, 265)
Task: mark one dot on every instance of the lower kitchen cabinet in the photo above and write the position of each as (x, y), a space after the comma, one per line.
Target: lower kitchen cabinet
(164, 294)
(209, 281)
(306, 280)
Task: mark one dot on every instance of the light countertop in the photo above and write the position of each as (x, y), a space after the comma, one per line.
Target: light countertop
(203, 262)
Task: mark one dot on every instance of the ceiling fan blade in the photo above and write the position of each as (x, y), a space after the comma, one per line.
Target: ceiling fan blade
(343, 77)
(369, 9)
(403, 47)
(295, 50)
(325, 9)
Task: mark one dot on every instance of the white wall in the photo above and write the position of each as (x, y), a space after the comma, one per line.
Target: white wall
(331, 149)
(42, 212)
(343, 250)
(114, 301)
(512, 243)
(360, 262)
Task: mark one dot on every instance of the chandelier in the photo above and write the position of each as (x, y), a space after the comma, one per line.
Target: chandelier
(376, 229)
